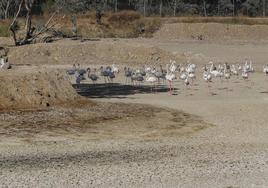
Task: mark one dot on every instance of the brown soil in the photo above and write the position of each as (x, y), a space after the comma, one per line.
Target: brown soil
(34, 88)
(99, 121)
(90, 52)
(212, 31)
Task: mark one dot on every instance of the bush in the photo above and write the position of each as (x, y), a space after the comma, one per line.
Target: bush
(4, 29)
(123, 17)
(147, 27)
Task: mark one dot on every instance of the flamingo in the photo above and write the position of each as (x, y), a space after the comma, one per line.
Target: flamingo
(183, 76)
(71, 71)
(137, 77)
(265, 70)
(227, 75)
(173, 67)
(234, 71)
(186, 81)
(245, 74)
(4, 64)
(192, 76)
(105, 73)
(115, 69)
(207, 77)
(170, 76)
(151, 78)
(160, 74)
(190, 68)
(214, 72)
(239, 67)
(92, 76)
(251, 69)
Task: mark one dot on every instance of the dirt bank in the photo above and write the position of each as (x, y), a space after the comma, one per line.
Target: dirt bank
(90, 52)
(212, 31)
(25, 88)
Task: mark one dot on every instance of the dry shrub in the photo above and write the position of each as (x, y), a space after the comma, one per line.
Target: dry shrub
(224, 20)
(147, 27)
(4, 28)
(123, 17)
(88, 15)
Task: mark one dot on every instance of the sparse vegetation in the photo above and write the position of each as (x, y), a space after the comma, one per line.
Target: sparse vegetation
(4, 29)
(225, 20)
(123, 17)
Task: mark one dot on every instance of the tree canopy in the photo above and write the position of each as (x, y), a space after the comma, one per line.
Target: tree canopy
(146, 7)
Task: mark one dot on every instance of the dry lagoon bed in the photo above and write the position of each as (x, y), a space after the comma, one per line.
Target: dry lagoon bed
(203, 136)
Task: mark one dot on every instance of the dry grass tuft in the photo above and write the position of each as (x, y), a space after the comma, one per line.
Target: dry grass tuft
(4, 28)
(123, 17)
(224, 20)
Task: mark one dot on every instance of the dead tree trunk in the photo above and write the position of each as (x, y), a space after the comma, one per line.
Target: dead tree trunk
(175, 8)
(116, 6)
(161, 7)
(263, 8)
(144, 7)
(7, 9)
(205, 8)
(28, 24)
(12, 27)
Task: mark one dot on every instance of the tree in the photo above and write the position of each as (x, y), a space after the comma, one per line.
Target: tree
(7, 7)
(30, 32)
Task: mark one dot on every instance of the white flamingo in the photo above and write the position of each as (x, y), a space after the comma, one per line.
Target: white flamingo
(215, 73)
(190, 68)
(115, 69)
(170, 77)
(183, 76)
(186, 81)
(265, 69)
(2, 62)
(207, 76)
(251, 69)
(192, 76)
(239, 67)
(244, 74)
(227, 75)
(234, 71)
(173, 67)
(151, 78)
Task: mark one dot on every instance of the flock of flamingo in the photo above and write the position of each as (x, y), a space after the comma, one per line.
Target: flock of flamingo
(172, 72)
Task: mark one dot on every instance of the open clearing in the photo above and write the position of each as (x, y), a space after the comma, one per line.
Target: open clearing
(125, 136)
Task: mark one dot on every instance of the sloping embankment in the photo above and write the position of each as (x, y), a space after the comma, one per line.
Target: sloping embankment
(20, 89)
(91, 52)
(212, 31)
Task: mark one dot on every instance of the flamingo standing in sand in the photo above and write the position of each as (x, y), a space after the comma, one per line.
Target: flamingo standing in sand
(214, 72)
(152, 79)
(170, 76)
(265, 69)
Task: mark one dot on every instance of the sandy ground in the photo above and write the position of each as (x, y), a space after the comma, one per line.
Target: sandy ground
(202, 136)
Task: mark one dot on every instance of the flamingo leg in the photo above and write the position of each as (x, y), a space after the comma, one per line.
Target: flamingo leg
(169, 87)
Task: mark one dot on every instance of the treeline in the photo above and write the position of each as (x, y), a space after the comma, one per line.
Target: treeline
(250, 8)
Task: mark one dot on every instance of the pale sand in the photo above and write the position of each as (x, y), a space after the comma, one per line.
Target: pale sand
(232, 153)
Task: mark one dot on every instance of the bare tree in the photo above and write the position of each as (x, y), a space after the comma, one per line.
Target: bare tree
(7, 7)
(30, 32)
(205, 8)
(175, 8)
(263, 8)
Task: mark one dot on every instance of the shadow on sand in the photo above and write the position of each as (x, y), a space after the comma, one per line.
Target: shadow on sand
(116, 90)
